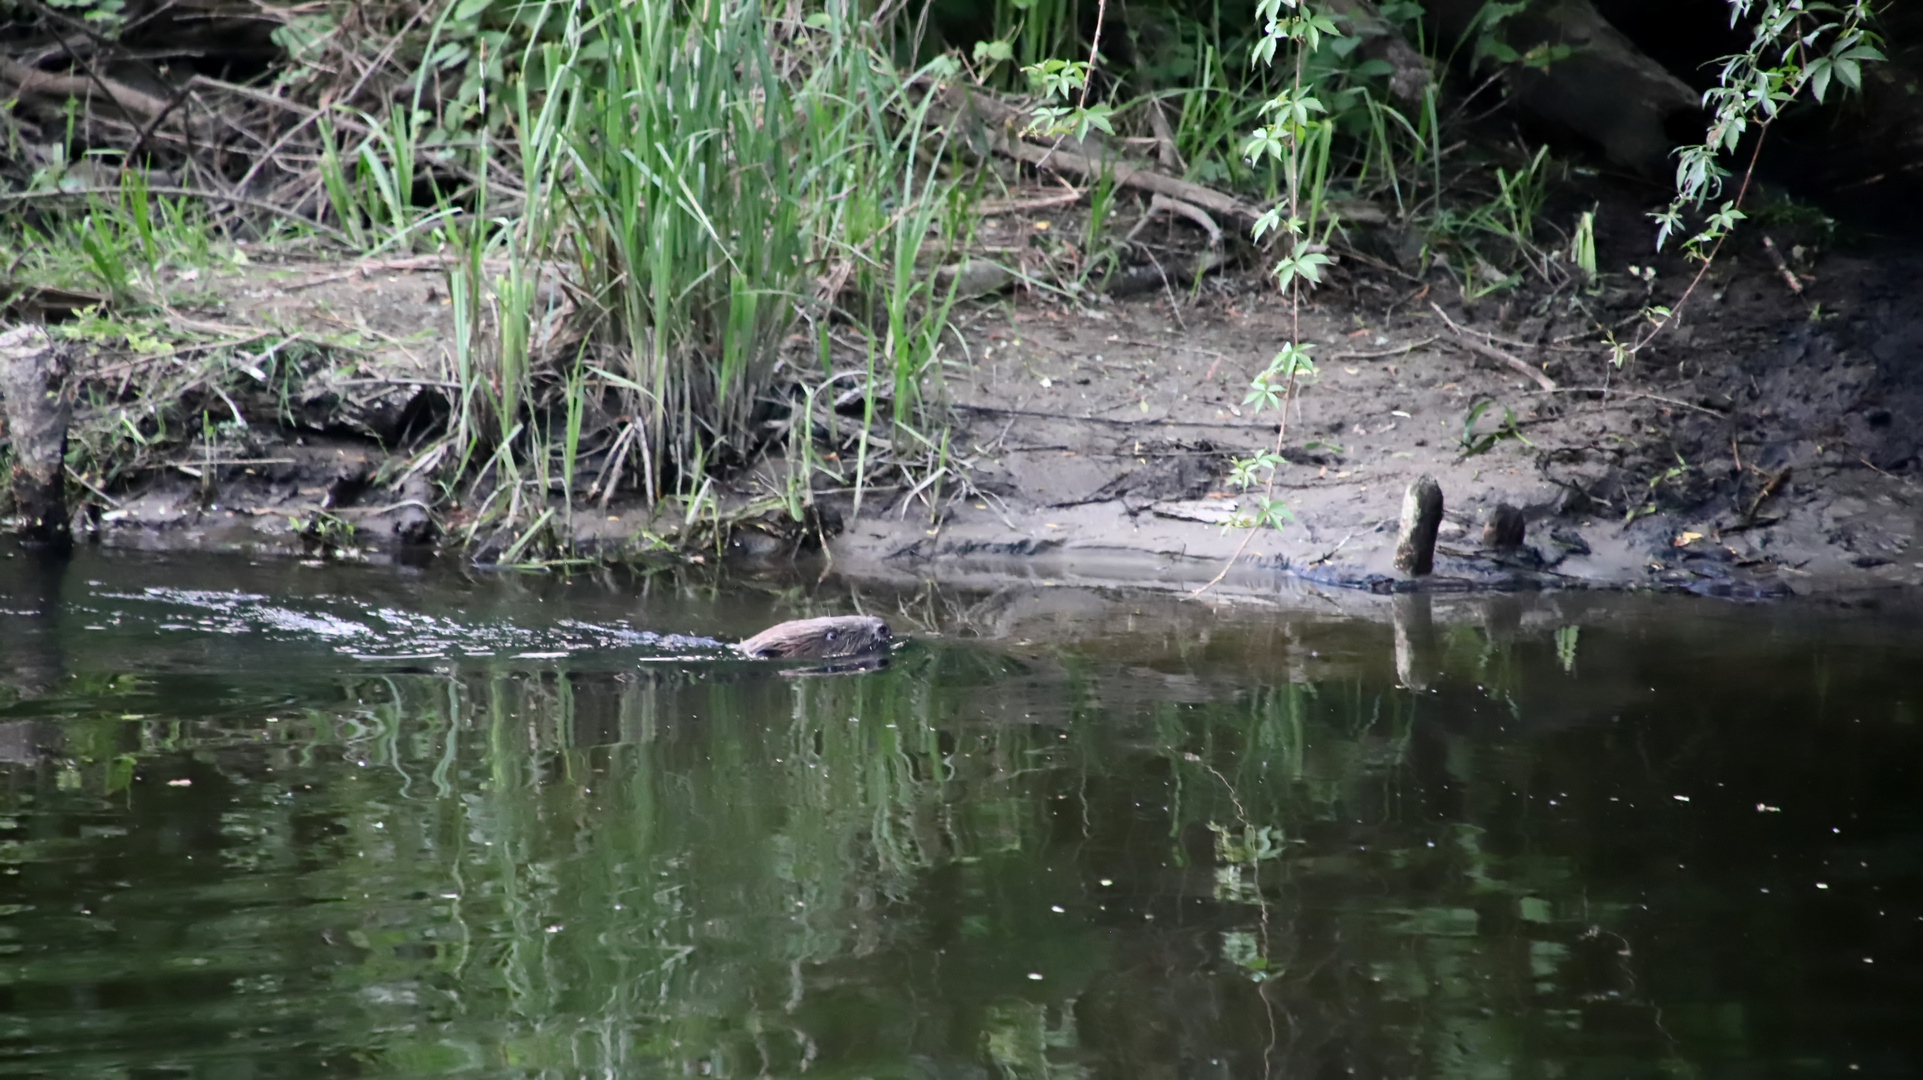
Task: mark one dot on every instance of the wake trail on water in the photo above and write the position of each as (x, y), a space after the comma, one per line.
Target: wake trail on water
(374, 632)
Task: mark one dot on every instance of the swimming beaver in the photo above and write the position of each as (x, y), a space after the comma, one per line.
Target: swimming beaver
(828, 638)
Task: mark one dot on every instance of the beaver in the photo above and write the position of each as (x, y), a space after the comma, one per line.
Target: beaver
(831, 637)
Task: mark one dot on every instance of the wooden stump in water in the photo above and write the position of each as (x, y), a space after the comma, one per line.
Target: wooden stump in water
(831, 637)
(1421, 517)
(33, 380)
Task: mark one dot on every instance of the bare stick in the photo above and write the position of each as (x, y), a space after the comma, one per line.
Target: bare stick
(1481, 347)
(1084, 166)
(1782, 267)
(1610, 391)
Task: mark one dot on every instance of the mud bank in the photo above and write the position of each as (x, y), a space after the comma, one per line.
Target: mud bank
(1769, 448)
(1766, 447)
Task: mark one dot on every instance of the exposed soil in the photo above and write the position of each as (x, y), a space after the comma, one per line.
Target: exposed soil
(1766, 445)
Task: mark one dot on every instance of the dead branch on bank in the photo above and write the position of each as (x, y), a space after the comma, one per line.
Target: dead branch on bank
(1479, 345)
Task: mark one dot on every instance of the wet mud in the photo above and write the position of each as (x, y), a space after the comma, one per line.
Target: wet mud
(1766, 445)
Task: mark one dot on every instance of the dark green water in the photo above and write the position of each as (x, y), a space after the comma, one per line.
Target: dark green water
(287, 821)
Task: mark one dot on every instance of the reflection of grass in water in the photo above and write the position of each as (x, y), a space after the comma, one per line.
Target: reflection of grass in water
(737, 828)
(725, 871)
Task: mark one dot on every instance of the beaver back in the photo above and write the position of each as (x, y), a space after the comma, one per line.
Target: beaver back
(827, 638)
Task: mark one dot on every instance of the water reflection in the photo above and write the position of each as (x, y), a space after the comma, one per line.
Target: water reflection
(1124, 837)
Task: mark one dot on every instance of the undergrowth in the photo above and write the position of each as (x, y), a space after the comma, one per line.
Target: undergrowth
(692, 251)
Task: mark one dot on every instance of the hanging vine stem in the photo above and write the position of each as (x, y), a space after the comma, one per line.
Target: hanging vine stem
(1797, 46)
(1289, 123)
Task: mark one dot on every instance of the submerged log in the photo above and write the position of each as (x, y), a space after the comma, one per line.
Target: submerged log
(1421, 518)
(34, 371)
(828, 638)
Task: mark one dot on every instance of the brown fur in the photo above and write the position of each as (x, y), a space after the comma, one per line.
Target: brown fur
(827, 638)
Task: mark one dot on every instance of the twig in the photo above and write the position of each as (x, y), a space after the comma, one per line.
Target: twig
(1378, 354)
(140, 143)
(1165, 422)
(1085, 166)
(82, 481)
(1163, 204)
(1782, 267)
(1611, 391)
(1483, 348)
(1165, 151)
(992, 207)
(1329, 554)
(1770, 487)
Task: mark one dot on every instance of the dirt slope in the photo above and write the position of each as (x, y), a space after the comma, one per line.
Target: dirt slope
(1760, 450)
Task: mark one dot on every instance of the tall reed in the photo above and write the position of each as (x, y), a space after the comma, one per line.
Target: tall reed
(694, 178)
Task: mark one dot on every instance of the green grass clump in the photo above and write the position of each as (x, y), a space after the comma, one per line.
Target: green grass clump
(692, 181)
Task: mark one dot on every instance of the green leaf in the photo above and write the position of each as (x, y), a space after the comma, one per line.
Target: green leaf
(1818, 73)
(1267, 223)
(1272, 513)
(993, 51)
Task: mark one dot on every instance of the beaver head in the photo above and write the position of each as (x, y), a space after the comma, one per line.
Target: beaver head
(826, 638)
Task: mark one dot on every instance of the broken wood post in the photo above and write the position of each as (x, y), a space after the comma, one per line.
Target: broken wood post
(1503, 531)
(33, 380)
(1421, 517)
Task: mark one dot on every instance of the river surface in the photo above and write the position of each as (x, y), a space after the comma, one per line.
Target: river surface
(283, 820)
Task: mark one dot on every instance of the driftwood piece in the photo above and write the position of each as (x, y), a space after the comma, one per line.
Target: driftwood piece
(34, 375)
(1421, 518)
(831, 637)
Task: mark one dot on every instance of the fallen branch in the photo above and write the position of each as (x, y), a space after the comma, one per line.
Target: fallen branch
(1481, 347)
(992, 207)
(45, 84)
(1002, 115)
(1782, 267)
(1393, 350)
(1611, 391)
(1160, 204)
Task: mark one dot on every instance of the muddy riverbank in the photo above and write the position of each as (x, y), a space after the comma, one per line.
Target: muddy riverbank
(1767, 448)
(1763, 447)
